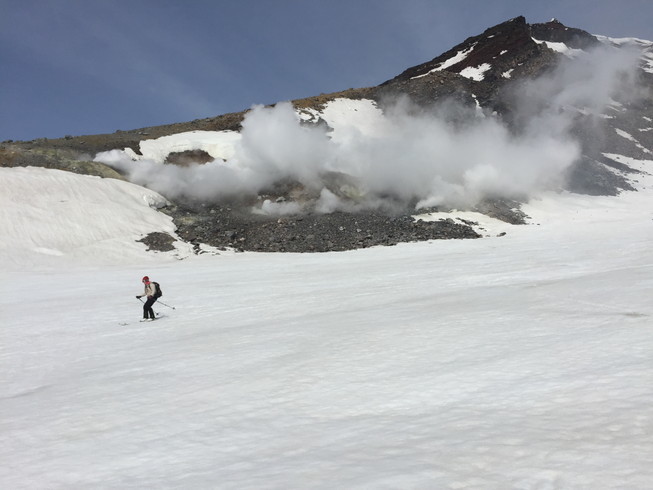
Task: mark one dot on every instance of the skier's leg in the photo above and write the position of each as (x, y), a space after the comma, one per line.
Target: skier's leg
(151, 309)
(147, 308)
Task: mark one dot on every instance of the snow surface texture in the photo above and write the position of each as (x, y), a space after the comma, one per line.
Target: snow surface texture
(521, 361)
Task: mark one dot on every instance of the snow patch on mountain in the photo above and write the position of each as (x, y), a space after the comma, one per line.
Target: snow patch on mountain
(632, 139)
(349, 119)
(218, 144)
(457, 58)
(645, 167)
(476, 73)
(482, 224)
(560, 47)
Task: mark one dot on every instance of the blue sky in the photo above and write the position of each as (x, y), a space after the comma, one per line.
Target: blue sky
(96, 66)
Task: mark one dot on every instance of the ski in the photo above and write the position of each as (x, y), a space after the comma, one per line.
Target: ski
(143, 320)
(158, 314)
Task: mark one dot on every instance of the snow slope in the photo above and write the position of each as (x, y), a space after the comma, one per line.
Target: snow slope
(521, 361)
(52, 217)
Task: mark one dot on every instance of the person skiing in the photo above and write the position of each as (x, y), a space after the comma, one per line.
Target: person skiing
(151, 291)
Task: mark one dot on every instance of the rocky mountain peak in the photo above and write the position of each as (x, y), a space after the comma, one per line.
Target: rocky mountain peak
(555, 31)
(512, 36)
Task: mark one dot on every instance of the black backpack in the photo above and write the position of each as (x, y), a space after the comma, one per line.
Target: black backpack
(157, 290)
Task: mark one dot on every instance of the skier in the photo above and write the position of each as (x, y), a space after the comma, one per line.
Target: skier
(151, 291)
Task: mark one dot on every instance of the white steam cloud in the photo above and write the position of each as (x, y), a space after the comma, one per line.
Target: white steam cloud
(405, 154)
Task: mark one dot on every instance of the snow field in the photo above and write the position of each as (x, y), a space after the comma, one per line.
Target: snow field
(520, 361)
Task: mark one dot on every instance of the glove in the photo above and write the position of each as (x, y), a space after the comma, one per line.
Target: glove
(138, 297)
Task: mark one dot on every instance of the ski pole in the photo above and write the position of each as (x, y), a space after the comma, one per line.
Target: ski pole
(162, 303)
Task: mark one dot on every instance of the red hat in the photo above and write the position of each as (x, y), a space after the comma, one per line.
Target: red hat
(146, 279)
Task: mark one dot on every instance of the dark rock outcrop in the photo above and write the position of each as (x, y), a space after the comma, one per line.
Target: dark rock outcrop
(224, 227)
